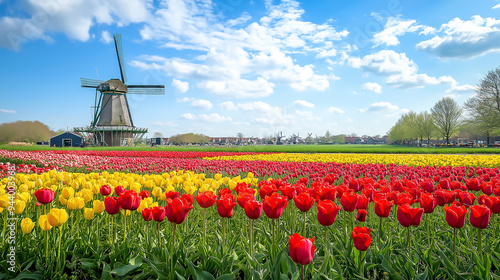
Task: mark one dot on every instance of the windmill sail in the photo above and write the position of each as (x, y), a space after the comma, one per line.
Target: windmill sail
(119, 53)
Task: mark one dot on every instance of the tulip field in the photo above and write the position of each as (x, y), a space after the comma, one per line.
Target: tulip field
(81, 214)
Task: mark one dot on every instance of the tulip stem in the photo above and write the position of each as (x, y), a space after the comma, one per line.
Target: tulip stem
(379, 231)
(47, 245)
(274, 239)
(427, 225)
(409, 243)
(172, 246)
(251, 238)
(454, 246)
(304, 227)
(97, 232)
(59, 248)
(359, 261)
(4, 227)
(302, 271)
(125, 226)
(205, 226)
(326, 241)
(480, 244)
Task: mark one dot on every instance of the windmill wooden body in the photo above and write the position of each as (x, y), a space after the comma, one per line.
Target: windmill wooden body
(112, 123)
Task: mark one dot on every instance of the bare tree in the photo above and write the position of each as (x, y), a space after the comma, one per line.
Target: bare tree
(483, 118)
(446, 115)
(488, 90)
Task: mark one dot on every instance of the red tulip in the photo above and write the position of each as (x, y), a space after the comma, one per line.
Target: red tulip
(466, 198)
(224, 192)
(206, 199)
(274, 205)
(479, 216)
(253, 209)
(444, 197)
(362, 202)
(225, 206)
(244, 198)
(287, 190)
(158, 213)
(327, 212)
(361, 215)
(171, 195)
(362, 238)
(348, 201)
(301, 249)
(455, 215)
(144, 194)
(129, 199)
(44, 196)
(494, 204)
(177, 210)
(355, 185)
(408, 216)
(303, 202)
(188, 198)
(267, 190)
(383, 208)
(428, 202)
(147, 214)
(112, 205)
(105, 190)
(329, 193)
(119, 190)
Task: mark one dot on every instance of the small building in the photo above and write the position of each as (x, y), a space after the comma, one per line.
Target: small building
(66, 139)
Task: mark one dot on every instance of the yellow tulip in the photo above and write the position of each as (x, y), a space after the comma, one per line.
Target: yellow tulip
(57, 217)
(142, 206)
(19, 206)
(24, 196)
(218, 176)
(43, 222)
(39, 183)
(1, 209)
(87, 195)
(62, 200)
(68, 192)
(27, 225)
(23, 188)
(4, 200)
(126, 212)
(88, 213)
(98, 206)
(75, 203)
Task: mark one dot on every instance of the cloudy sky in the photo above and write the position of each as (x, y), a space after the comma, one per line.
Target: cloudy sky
(255, 67)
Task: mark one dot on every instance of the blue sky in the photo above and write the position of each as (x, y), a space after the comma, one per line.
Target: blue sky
(255, 67)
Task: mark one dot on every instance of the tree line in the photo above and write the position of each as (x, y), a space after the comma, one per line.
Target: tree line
(25, 131)
(479, 116)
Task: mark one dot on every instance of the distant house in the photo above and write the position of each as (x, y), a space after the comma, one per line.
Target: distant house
(353, 140)
(66, 139)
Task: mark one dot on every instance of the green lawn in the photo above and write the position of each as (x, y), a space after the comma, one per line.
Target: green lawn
(289, 149)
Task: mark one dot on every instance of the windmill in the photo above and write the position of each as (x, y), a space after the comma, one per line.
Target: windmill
(112, 123)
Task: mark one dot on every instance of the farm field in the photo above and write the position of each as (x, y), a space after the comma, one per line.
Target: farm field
(113, 214)
(381, 149)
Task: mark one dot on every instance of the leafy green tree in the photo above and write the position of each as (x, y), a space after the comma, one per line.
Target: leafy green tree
(447, 116)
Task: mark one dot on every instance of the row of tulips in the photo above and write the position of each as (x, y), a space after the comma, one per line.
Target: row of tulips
(364, 195)
(290, 166)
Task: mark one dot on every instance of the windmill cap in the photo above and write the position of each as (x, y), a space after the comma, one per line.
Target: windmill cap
(113, 85)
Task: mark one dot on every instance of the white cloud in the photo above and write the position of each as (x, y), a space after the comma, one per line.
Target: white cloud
(228, 105)
(106, 37)
(241, 59)
(307, 115)
(197, 103)
(180, 86)
(303, 103)
(214, 118)
(372, 87)
(335, 110)
(189, 116)
(202, 104)
(464, 38)
(166, 123)
(379, 107)
(497, 6)
(5, 111)
(460, 89)
(400, 71)
(396, 27)
(73, 18)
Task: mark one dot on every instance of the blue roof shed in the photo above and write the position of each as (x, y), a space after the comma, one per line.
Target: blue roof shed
(66, 139)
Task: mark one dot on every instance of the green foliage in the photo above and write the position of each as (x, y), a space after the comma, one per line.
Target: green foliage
(189, 138)
(24, 131)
